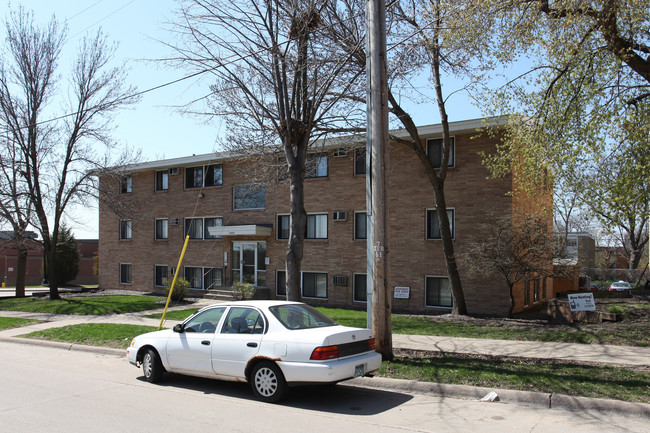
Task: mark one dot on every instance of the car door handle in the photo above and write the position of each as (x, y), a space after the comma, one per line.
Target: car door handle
(251, 344)
(205, 342)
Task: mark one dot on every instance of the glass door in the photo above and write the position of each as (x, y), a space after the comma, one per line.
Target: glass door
(249, 263)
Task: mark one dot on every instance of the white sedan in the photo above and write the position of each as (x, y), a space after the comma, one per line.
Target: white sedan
(271, 344)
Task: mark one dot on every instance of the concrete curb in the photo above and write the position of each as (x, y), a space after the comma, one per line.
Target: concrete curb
(66, 346)
(539, 399)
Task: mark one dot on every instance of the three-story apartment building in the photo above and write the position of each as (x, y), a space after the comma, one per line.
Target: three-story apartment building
(238, 229)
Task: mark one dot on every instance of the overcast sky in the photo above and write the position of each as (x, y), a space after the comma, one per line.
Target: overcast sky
(154, 126)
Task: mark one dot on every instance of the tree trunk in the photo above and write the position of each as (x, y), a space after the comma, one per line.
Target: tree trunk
(297, 229)
(459, 306)
(21, 269)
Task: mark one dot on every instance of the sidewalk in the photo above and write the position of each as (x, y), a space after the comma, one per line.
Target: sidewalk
(602, 354)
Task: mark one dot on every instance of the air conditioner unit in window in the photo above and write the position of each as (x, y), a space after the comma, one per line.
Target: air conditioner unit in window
(173, 170)
(339, 215)
(339, 153)
(173, 221)
(340, 280)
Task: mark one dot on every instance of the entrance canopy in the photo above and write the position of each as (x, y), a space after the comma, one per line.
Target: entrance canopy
(241, 230)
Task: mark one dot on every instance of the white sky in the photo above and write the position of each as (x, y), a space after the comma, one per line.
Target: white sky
(154, 126)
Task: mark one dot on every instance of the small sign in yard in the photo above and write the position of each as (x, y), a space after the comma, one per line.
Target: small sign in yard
(582, 302)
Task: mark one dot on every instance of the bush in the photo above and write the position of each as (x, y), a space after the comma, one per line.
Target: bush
(241, 291)
(180, 288)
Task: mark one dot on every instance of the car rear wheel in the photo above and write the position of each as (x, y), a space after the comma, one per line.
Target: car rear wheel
(151, 366)
(268, 382)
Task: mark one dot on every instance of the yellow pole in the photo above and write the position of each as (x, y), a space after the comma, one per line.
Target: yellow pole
(178, 266)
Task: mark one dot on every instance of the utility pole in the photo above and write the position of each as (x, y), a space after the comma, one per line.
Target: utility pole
(377, 149)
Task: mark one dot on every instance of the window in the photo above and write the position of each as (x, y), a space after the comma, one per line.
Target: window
(160, 275)
(209, 223)
(205, 322)
(360, 160)
(194, 228)
(199, 228)
(162, 229)
(201, 278)
(249, 197)
(433, 224)
(536, 290)
(125, 229)
(282, 229)
(214, 175)
(162, 180)
(193, 177)
(316, 165)
(126, 185)
(281, 283)
(438, 292)
(434, 150)
(125, 273)
(527, 293)
(316, 226)
(360, 290)
(243, 320)
(204, 176)
(314, 285)
(360, 225)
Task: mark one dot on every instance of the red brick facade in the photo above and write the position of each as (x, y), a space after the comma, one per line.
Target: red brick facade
(412, 257)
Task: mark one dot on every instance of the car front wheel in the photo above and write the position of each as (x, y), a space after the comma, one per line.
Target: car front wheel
(268, 382)
(151, 366)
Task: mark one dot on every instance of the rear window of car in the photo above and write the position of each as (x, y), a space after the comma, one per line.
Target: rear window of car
(300, 317)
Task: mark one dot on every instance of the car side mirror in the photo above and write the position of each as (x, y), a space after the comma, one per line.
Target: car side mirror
(178, 328)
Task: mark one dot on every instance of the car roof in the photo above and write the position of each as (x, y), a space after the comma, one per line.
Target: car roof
(252, 303)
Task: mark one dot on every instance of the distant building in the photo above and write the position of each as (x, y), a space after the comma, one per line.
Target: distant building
(34, 266)
(238, 231)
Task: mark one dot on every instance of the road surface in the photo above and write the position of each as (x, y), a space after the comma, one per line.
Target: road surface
(44, 389)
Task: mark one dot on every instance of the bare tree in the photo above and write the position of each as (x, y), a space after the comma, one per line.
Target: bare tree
(277, 85)
(516, 248)
(15, 207)
(57, 154)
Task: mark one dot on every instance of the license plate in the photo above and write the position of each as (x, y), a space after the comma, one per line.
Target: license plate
(359, 370)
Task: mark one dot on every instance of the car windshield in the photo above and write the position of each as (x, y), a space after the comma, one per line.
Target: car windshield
(296, 316)
(621, 284)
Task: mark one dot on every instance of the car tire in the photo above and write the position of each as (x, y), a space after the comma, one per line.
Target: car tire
(267, 382)
(151, 366)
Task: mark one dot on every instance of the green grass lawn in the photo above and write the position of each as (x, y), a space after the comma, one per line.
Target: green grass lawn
(524, 374)
(14, 322)
(84, 304)
(112, 335)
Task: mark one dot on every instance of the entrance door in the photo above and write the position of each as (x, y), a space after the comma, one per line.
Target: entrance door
(249, 263)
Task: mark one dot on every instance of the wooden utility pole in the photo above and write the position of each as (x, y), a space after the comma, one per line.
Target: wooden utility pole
(377, 143)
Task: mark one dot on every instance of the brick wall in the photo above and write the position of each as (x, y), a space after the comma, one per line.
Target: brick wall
(412, 258)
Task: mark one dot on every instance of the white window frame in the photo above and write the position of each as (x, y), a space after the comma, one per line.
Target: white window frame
(164, 180)
(354, 288)
(365, 219)
(319, 219)
(426, 289)
(278, 228)
(165, 224)
(451, 214)
(203, 274)
(452, 151)
(126, 230)
(126, 184)
(302, 284)
(155, 275)
(130, 268)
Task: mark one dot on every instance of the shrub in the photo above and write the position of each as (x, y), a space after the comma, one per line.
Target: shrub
(180, 288)
(241, 291)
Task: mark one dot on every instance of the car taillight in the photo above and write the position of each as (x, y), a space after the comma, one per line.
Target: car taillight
(371, 344)
(325, 352)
